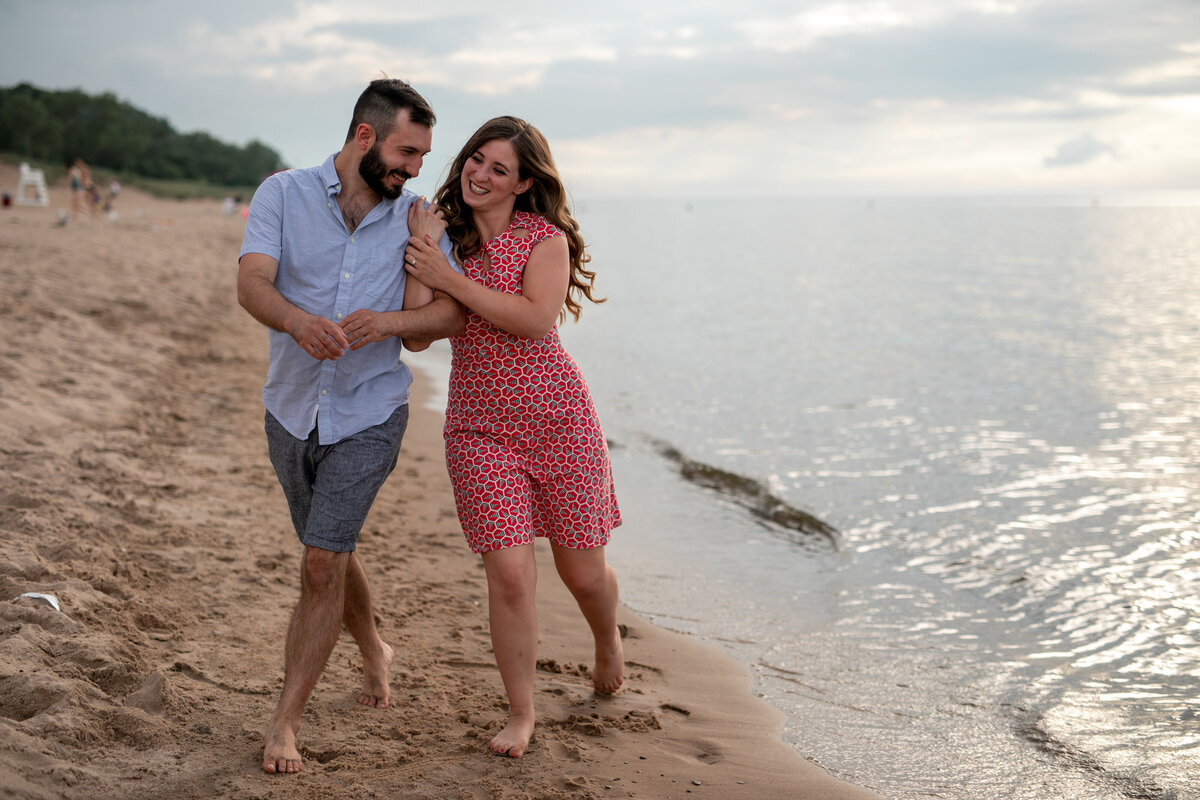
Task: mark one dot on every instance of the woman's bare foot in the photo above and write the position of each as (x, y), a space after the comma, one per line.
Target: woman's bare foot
(514, 739)
(609, 672)
(376, 692)
(279, 750)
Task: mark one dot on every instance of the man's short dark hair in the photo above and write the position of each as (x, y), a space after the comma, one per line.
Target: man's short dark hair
(382, 100)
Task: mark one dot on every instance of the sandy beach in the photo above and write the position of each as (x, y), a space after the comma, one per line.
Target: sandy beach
(135, 489)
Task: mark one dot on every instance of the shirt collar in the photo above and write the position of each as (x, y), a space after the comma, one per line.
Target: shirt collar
(329, 176)
(333, 184)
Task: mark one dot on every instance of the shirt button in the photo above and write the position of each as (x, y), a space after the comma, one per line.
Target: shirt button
(339, 315)
(324, 392)
(347, 275)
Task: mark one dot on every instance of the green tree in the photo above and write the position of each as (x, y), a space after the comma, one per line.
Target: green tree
(28, 129)
(59, 126)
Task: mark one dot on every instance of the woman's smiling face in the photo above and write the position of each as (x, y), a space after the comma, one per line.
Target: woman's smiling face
(491, 176)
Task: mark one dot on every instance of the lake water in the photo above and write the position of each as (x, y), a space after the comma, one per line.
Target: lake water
(927, 468)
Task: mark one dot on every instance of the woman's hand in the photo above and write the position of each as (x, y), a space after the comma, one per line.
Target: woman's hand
(426, 219)
(425, 262)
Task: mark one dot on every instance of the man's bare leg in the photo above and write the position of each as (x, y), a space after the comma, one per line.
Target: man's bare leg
(512, 612)
(593, 583)
(312, 634)
(359, 619)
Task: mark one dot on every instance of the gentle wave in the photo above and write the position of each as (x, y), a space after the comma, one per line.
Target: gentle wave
(1132, 784)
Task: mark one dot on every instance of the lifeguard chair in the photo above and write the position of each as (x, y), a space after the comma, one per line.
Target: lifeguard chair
(34, 179)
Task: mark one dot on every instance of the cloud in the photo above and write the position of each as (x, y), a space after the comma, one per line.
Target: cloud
(1079, 150)
(762, 96)
(842, 19)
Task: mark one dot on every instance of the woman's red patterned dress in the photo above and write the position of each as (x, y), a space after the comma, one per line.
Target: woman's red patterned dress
(524, 447)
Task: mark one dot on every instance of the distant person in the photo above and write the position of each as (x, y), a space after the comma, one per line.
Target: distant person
(95, 200)
(91, 193)
(77, 172)
(527, 456)
(114, 189)
(321, 266)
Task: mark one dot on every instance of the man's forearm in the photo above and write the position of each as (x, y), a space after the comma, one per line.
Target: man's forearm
(436, 320)
(264, 302)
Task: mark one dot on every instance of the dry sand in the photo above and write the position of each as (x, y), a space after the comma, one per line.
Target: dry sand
(135, 488)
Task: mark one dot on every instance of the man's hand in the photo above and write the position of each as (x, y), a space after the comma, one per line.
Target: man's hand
(319, 337)
(363, 327)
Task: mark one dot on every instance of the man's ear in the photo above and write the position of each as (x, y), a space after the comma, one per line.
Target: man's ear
(364, 135)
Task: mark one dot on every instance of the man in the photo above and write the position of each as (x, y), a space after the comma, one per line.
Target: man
(321, 266)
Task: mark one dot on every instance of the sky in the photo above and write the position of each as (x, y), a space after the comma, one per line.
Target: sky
(758, 98)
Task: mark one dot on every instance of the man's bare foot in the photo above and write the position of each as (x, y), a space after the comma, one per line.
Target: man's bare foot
(376, 692)
(609, 672)
(514, 739)
(279, 750)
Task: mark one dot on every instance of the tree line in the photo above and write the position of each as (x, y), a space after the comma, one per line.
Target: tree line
(58, 126)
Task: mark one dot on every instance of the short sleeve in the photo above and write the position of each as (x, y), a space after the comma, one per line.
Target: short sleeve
(264, 221)
(540, 229)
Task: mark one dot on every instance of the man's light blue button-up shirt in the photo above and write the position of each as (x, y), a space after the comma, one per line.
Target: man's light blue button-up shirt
(326, 270)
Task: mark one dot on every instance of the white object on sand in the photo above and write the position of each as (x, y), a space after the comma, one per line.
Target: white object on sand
(49, 598)
(34, 179)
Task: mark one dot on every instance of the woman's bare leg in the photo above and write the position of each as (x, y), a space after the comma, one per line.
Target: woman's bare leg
(593, 583)
(512, 611)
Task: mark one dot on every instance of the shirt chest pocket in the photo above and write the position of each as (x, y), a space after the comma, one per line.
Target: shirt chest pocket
(382, 277)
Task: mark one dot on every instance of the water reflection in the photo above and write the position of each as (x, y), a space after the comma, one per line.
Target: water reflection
(996, 410)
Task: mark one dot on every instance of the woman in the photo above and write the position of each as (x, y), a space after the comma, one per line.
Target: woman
(524, 447)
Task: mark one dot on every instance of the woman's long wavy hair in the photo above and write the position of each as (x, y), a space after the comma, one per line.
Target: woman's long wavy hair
(546, 197)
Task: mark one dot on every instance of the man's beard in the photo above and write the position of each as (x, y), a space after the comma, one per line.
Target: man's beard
(373, 171)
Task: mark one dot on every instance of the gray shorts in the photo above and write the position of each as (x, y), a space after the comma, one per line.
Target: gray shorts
(330, 488)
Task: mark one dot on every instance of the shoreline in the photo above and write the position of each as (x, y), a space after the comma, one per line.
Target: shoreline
(136, 489)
